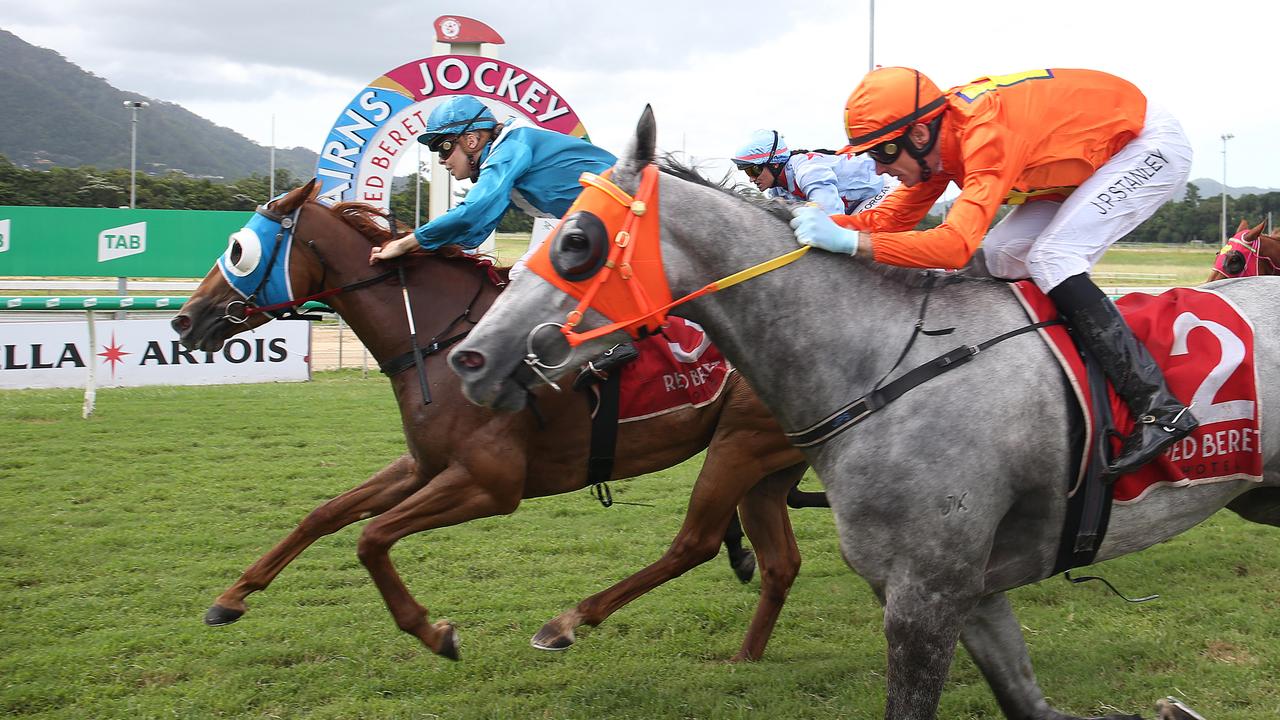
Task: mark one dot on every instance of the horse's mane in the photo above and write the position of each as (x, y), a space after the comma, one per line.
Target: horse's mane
(673, 167)
(373, 224)
(908, 276)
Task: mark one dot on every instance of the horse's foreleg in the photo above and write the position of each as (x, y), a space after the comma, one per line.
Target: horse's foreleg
(764, 515)
(994, 640)
(922, 620)
(385, 489)
(452, 497)
(720, 485)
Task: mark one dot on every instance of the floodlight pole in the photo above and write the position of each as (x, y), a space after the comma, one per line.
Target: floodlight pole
(1225, 138)
(122, 284)
(871, 42)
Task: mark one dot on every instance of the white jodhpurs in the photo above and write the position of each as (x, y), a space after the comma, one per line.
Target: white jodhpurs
(1051, 241)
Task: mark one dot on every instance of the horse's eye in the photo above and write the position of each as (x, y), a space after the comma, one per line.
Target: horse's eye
(1235, 263)
(581, 247)
(244, 251)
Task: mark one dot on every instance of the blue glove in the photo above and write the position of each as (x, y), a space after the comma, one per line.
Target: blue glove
(814, 227)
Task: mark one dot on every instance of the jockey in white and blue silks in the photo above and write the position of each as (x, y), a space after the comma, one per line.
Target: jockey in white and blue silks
(514, 163)
(838, 183)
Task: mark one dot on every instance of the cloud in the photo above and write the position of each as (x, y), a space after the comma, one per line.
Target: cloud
(713, 70)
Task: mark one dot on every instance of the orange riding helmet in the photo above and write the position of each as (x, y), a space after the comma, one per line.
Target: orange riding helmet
(886, 103)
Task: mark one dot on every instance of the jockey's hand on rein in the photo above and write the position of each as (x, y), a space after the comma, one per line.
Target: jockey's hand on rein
(814, 227)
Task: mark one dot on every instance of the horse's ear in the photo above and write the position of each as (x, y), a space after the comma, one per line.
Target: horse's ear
(1257, 229)
(640, 152)
(294, 198)
(1244, 225)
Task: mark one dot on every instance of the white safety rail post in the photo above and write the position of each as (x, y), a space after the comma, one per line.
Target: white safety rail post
(340, 326)
(91, 383)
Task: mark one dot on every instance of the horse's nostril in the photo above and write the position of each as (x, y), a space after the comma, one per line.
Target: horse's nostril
(470, 359)
(181, 323)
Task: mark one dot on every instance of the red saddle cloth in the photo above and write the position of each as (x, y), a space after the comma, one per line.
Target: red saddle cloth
(678, 369)
(1205, 347)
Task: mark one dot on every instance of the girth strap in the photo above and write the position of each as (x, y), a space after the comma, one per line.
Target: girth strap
(604, 433)
(1089, 504)
(858, 410)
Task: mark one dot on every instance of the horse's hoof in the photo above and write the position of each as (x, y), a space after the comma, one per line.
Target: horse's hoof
(449, 646)
(219, 615)
(550, 638)
(745, 567)
(1172, 709)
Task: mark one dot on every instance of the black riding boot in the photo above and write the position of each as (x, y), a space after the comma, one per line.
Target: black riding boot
(1160, 419)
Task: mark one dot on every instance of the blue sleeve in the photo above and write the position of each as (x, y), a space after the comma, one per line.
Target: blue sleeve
(471, 221)
(818, 183)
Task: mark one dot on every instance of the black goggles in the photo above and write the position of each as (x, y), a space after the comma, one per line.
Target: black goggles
(887, 152)
(442, 144)
(752, 171)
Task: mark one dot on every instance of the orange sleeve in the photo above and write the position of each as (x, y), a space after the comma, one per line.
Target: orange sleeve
(992, 160)
(903, 209)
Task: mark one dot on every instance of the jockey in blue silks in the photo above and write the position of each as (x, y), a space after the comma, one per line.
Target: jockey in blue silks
(839, 183)
(513, 163)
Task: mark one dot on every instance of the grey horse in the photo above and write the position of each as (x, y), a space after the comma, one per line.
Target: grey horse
(946, 498)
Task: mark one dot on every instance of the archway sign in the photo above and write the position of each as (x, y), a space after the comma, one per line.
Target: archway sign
(381, 123)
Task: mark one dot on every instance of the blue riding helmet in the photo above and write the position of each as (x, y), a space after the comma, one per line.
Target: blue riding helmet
(455, 116)
(766, 147)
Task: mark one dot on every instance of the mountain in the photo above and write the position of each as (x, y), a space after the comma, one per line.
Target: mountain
(1212, 188)
(54, 113)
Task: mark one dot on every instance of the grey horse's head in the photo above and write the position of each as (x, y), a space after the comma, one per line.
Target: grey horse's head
(519, 343)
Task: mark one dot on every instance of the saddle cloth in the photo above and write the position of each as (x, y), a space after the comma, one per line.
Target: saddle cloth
(1205, 347)
(677, 369)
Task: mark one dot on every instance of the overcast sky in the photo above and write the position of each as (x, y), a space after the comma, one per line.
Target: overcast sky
(713, 71)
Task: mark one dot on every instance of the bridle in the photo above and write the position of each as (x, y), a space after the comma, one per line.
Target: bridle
(239, 311)
(631, 283)
(1252, 252)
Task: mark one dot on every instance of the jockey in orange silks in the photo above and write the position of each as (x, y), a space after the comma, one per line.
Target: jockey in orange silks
(1084, 158)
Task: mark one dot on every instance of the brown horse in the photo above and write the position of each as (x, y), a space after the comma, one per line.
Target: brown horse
(466, 462)
(1248, 253)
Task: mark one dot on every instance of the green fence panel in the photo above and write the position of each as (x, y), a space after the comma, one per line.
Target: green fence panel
(111, 242)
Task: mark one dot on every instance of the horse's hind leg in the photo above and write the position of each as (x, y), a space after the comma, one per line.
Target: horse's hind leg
(741, 559)
(764, 515)
(994, 640)
(385, 489)
(726, 475)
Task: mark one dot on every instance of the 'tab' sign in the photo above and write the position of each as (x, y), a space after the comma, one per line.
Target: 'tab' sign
(110, 242)
(122, 241)
(382, 121)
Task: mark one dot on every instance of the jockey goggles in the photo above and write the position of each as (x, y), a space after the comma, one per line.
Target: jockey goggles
(887, 152)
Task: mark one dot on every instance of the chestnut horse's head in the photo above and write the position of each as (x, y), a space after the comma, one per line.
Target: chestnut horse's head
(274, 263)
(1246, 254)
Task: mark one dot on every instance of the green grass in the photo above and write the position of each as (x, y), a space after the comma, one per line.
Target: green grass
(1188, 264)
(119, 531)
